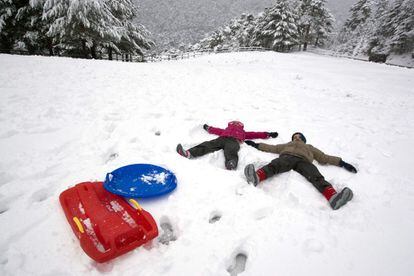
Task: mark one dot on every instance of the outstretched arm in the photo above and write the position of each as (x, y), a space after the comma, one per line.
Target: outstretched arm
(271, 148)
(266, 147)
(324, 158)
(213, 130)
(333, 160)
(260, 135)
(256, 135)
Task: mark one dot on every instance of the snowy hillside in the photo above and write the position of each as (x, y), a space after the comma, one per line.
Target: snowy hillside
(66, 121)
(176, 22)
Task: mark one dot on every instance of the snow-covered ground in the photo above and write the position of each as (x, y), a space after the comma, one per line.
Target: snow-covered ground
(66, 121)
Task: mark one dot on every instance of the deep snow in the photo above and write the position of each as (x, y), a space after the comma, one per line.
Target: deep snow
(65, 121)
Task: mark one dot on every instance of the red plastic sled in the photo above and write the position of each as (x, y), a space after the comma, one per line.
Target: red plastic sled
(106, 224)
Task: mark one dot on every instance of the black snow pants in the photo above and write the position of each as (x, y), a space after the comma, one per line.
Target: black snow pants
(287, 162)
(229, 145)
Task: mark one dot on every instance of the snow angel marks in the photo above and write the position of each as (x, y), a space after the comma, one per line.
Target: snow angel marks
(229, 141)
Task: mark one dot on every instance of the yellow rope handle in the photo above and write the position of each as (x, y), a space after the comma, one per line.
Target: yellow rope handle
(78, 224)
(135, 203)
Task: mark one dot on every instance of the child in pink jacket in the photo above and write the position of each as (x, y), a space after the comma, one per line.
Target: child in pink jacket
(229, 141)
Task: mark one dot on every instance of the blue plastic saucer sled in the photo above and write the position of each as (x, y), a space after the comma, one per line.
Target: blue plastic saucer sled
(140, 181)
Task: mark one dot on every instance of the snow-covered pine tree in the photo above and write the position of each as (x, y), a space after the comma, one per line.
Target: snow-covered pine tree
(259, 24)
(360, 12)
(378, 38)
(229, 35)
(134, 37)
(315, 22)
(322, 23)
(80, 26)
(245, 35)
(84, 27)
(277, 29)
(238, 33)
(33, 37)
(398, 27)
(11, 22)
(304, 12)
(391, 29)
(213, 40)
(356, 34)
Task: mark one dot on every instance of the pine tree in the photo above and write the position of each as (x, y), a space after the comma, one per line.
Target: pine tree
(400, 22)
(213, 40)
(33, 37)
(315, 22)
(11, 22)
(238, 33)
(378, 38)
(245, 35)
(133, 36)
(357, 32)
(278, 29)
(322, 23)
(395, 31)
(360, 12)
(259, 25)
(80, 26)
(76, 27)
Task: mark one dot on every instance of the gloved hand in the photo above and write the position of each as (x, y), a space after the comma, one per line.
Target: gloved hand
(206, 126)
(273, 134)
(347, 166)
(251, 143)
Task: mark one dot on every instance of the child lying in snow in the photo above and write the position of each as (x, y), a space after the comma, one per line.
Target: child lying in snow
(297, 155)
(229, 141)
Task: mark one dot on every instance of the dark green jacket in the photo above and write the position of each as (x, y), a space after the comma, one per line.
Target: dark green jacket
(300, 149)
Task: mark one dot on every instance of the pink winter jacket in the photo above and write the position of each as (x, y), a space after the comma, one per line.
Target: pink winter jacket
(235, 129)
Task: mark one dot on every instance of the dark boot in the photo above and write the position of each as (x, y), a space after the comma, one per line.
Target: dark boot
(340, 199)
(182, 152)
(231, 164)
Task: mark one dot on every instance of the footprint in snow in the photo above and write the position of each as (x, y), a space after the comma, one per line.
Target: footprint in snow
(262, 213)
(238, 265)
(109, 128)
(40, 195)
(312, 246)
(112, 157)
(3, 208)
(5, 178)
(8, 134)
(215, 216)
(4, 261)
(243, 188)
(168, 234)
(113, 117)
(5, 202)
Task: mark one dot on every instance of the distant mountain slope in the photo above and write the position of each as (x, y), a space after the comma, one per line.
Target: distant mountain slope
(175, 22)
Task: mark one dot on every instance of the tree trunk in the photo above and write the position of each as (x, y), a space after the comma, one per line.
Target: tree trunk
(305, 44)
(31, 49)
(84, 51)
(317, 41)
(110, 53)
(6, 45)
(50, 47)
(93, 51)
